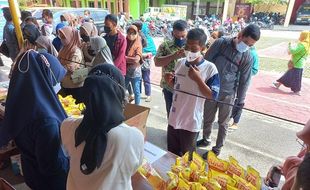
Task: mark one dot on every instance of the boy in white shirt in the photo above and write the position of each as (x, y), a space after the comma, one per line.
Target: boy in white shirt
(193, 76)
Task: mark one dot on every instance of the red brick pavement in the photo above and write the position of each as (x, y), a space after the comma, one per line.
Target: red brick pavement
(264, 98)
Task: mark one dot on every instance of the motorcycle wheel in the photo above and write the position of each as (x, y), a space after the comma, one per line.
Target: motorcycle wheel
(271, 26)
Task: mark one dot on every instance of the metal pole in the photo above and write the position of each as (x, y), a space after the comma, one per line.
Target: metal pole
(197, 8)
(14, 8)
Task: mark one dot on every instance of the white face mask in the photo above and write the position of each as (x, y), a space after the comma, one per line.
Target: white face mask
(242, 47)
(57, 88)
(191, 56)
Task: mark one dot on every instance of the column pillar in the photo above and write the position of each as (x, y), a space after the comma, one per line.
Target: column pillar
(225, 11)
(289, 13)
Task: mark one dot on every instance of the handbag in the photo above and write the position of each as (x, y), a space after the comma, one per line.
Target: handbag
(79, 75)
(4, 49)
(146, 65)
(290, 64)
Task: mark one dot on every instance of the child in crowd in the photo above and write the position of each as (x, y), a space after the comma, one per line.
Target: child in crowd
(193, 75)
(47, 27)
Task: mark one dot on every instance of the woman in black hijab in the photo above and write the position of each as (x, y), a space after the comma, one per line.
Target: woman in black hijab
(104, 152)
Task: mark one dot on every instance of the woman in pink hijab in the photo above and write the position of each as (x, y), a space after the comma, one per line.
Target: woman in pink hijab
(291, 164)
(71, 57)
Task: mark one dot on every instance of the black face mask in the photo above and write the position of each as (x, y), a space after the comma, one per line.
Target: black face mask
(85, 38)
(107, 29)
(91, 52)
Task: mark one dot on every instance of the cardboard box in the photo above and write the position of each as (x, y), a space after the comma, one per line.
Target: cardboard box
(136, 116)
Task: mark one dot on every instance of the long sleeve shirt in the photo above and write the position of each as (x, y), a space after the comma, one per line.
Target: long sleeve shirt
(9, 36)
(299, 55)
(118, 52)
(234, 67)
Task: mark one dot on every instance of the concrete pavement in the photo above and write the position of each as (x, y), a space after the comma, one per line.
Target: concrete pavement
(260, 142)
(291, 28)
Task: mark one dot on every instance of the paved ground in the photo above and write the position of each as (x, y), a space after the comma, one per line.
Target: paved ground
(291, 28)
(260, 140)
(261, 96)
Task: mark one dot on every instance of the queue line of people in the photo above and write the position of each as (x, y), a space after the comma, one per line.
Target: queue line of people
(194, 71)
(57, 151)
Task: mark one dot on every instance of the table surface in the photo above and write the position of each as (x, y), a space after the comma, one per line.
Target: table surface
(162, 166)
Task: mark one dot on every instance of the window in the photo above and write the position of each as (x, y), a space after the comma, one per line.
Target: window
(100, 15)
(91, 4)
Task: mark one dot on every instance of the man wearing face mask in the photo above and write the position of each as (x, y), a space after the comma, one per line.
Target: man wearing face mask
(116, 42)
(167, 55)
(234, 62)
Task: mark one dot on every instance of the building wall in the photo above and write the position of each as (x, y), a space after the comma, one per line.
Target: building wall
(134, 8)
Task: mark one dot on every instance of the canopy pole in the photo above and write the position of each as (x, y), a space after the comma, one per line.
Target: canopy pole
(14, 8)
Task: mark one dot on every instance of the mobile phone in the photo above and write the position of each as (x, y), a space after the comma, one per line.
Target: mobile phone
(275, 177)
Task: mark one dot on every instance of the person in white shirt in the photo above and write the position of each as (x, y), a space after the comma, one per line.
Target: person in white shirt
(47, 28)
(104, 152)
(194, 80)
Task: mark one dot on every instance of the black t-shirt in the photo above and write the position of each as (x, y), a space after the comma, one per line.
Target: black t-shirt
(111, 40)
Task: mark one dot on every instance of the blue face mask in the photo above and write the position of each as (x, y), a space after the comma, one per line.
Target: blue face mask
(242, 47)
(65, 23)
(42, 50)
(179, 42)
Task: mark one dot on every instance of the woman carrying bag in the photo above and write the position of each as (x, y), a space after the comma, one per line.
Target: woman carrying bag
(292, 78)
(71, 57)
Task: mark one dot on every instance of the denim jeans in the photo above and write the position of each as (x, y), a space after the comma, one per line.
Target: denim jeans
(135, 83)
(146, 81)
(168, 99)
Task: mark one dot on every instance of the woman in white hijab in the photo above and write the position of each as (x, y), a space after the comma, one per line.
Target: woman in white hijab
(101, 51)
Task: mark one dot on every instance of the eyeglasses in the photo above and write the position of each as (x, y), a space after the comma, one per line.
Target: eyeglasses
(301, 143)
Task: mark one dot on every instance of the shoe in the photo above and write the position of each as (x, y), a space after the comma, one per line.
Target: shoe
(203, 143)
(297, 93)
(205, 155)
(233, 127)
(143, 97)
(276, 85)
(148, 99)
(131, 98)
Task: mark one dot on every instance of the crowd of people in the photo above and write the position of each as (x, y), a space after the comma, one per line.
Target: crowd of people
(98, 150)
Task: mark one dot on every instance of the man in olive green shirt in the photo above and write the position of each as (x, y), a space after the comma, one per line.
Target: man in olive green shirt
(167, 55)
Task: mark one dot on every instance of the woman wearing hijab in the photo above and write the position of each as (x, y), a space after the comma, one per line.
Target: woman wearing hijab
(71, 58)
(30, 34)
(291, 164)
(104, 152)
(44, 45)
(87, 30)
(57, 42)
(133, 60)
(100, 50)
(148, 53)
(292, 78)
(33, 115)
